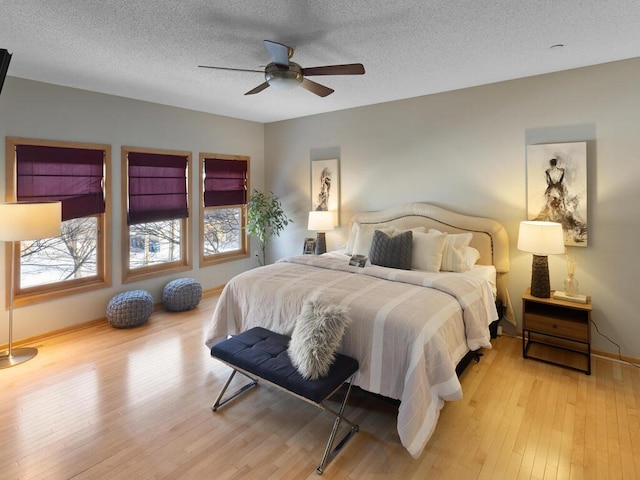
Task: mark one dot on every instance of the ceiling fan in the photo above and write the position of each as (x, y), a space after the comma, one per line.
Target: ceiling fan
(284, 74)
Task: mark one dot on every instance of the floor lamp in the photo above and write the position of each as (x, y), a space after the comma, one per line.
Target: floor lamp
(24, 221)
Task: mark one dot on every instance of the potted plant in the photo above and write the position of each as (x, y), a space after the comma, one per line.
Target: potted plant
(265, 218)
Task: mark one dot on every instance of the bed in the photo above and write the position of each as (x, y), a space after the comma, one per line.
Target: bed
(409, 327)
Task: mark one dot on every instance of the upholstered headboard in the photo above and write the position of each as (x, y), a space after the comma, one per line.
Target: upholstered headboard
(489, 236)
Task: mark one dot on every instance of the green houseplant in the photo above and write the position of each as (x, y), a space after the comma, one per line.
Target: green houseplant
(265, 218)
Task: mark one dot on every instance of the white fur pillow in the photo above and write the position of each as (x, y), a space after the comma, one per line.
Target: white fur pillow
(316, 337)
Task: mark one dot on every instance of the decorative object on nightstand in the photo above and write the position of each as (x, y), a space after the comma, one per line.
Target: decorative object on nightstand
(321, 221)
(570, 283)
(571, 292)
(309, 247)
(554, 324)
(540, 239)
(25, 221)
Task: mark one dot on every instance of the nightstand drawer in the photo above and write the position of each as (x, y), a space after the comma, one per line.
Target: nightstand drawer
(558, 327)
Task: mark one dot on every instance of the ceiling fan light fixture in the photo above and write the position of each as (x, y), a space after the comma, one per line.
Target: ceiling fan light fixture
(284, 74)
(284, 78)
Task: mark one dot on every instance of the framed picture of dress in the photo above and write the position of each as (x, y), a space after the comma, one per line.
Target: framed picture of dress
(325, 187)
(557, 188)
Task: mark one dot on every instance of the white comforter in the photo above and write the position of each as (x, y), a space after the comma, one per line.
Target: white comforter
(409, 328)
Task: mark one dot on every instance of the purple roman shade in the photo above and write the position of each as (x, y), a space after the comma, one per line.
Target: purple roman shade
(157, 187)
(224, 182)
(73, 176)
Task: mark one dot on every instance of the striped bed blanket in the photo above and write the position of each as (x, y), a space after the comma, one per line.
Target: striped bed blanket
(409, 329)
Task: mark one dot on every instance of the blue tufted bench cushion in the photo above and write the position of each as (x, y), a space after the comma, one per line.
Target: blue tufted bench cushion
(263, 353)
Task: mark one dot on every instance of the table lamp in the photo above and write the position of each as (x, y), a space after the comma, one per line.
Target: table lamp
(25, 221)
(321, 221)
(541, 239)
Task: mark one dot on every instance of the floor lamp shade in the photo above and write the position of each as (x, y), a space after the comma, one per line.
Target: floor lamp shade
(540, 239)
(321, 221)
(29, 221)
(25, 221)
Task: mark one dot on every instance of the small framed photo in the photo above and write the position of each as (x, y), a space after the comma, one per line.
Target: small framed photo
(309, 246)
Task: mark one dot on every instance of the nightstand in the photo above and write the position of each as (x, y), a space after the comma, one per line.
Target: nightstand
(558, 330)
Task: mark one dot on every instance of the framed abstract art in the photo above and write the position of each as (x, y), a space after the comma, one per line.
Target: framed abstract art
(325, 187)
(557, 188)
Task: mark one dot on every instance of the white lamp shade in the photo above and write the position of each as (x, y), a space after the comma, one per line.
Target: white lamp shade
(321, 221)
(29, 221)
(541, 238)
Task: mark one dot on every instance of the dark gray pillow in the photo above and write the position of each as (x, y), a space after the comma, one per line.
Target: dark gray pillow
(393, 252)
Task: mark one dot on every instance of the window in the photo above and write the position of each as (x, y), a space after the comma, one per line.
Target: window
(76, 175)
(156, 212)
(223, 188)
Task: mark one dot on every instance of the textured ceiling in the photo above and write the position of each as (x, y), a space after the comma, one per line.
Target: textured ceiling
(150, 49)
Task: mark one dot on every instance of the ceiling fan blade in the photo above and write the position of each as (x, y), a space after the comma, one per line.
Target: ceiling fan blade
(349, 69)
(232, 69)
(258, 89)
(316, 88)
(279, 53)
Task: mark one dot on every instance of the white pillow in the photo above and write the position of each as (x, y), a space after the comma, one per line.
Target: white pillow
(471, 256)
(316, 337)
(361, 236)
(351, 241)
(455, 246)
(427, 251)
(364, 237)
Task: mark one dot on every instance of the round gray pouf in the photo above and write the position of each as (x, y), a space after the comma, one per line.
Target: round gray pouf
(129, 309)
(181, 294)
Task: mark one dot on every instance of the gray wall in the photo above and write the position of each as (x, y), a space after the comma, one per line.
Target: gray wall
(38, 110)
(466, 150)
(463, 150)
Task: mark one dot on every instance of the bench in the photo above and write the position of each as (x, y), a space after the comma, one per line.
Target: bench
(260, 354)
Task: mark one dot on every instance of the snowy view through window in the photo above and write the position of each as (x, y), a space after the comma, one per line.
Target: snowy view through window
(154, 243)
(222, 230)
(70, 256)
(73, 255)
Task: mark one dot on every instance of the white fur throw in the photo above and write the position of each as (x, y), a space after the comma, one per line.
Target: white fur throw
(316, 337)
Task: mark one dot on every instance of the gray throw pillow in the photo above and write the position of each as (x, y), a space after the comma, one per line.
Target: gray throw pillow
(392, 252)
(316, 337)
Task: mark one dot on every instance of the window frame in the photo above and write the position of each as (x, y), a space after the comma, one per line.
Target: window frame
(185, 262)
(54, 290)
(243, 252)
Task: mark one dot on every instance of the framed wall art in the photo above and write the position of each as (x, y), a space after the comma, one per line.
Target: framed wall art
(557, 187)
(325, 187)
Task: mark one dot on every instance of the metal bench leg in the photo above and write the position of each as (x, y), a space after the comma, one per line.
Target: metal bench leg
(218, 403)
(328, 452)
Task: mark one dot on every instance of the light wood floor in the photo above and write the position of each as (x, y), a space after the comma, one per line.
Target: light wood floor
(135, 404)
